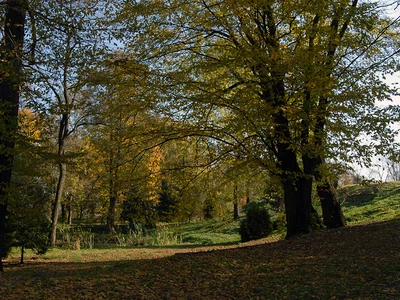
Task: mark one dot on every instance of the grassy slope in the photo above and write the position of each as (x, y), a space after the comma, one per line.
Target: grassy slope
(360, 261)
(372, 203)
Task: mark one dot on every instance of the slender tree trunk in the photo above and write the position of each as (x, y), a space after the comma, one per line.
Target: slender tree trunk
(65, 104)
(63, 212)
(10, 80)
(22, 254)
(236, 214)
(113, 194)
(115, 157)
(81, 211)
(57, 203)
(62, 167)
(235, 203)
(111, 215)
(69, 207)
(247, 195)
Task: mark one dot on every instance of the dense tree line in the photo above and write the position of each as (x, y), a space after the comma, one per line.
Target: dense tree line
(185, 109)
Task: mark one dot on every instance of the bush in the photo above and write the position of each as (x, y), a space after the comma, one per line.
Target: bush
(257, 223)
(139, 210)
(280, 223)
(27, 223)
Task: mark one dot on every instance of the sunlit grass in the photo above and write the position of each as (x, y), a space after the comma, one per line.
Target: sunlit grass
(373, 203)
(361, 204)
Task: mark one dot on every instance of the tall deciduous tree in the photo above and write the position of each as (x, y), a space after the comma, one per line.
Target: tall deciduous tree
(126, 129)
(11, 49)
(290, 84)
(65, 46)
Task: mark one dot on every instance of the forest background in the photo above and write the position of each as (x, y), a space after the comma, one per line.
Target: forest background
(175, 111)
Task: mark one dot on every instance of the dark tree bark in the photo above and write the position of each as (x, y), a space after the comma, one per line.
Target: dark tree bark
(113, 192)
(22, 254)
(63, 212)
(331, 210)
(296, 184)
(235, 203)
(10, 80)
(236, 211)
(111, 215)
(62, 167)
(297, 197)
(332, 213)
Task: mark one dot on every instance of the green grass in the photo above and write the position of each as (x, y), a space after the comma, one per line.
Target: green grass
(361, 261)
(371, 203)
(213, 232)
(361, 203)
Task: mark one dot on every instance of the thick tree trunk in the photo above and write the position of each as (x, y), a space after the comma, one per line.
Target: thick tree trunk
(3, 214)
(10, 80)
(289, 195)
(297, 195)
(298, 207)
(297, 186)
(331, 210)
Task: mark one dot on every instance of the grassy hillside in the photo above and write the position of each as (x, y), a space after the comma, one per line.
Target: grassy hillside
(371, 203)
(374, 202)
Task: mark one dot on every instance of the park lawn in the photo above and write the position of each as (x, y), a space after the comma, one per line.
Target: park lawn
(356, 262)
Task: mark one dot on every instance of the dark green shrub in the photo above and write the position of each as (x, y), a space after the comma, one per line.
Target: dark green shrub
(257, 223)
(27, 223)
(136, 209)
(209, 210)
(167, 200)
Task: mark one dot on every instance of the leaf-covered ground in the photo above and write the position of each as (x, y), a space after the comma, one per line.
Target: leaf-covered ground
(358, 262)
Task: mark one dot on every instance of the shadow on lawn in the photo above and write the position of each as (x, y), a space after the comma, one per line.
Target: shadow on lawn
(357, 262)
